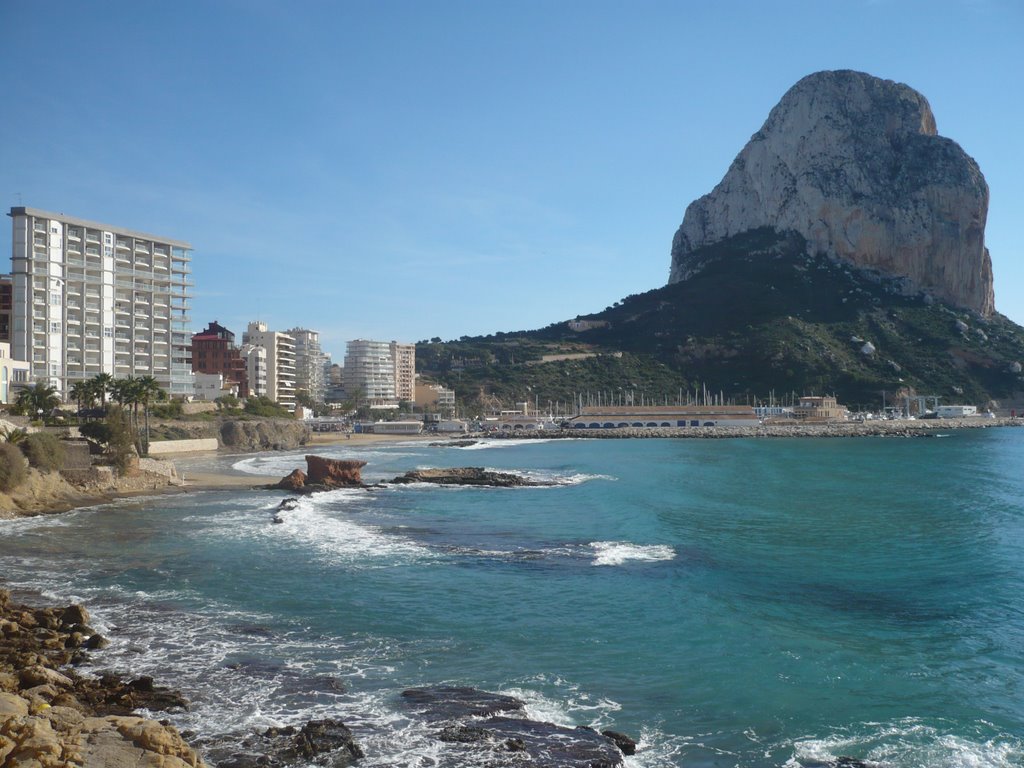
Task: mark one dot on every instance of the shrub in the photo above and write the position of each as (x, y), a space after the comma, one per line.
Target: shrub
(172, 409)
(43, 451)
(12, 467)
(115, 433)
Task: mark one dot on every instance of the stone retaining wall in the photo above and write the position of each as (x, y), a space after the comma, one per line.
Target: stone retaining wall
(169, 447)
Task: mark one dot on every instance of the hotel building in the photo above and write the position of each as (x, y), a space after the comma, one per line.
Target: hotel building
(92, 298)
(214, 352)
(370, 372)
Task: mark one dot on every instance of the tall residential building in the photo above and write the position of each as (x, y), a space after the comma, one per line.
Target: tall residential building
(280, 349)
(92, 298)
(404, 356)
(309, 363)
(370, 372)
(214, 351)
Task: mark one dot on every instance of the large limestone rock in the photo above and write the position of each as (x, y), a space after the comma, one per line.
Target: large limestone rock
(854, 164)
(264, 435)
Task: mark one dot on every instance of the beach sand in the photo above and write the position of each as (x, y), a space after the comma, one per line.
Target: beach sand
(213, 480)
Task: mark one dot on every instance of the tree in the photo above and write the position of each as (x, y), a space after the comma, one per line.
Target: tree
(147, 390)
(83, 393)
(39, 397)
(102, 384)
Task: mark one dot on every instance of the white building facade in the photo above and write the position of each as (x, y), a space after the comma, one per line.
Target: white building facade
(91, 298)
(370, 372)
(280, 360)
(309, 363)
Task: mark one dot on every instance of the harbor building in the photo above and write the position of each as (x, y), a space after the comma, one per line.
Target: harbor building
(91, 298)
(625, 416)
(214, 352)
(280, 362)
(309, 363)
(820, 409)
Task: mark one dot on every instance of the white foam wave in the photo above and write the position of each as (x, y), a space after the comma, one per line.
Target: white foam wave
(911, 743)
(562, 478)
(316, 523)
(620, 552)
(487, 443)
(567, 706)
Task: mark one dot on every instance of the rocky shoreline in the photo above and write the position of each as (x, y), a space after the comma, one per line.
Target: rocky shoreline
(52, 716)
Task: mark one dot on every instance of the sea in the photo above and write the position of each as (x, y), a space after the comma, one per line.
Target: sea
(735, 602)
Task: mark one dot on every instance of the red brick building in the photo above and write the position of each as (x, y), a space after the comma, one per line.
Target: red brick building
(214, 351)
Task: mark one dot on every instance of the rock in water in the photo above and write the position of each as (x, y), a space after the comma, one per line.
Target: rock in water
(854, 164)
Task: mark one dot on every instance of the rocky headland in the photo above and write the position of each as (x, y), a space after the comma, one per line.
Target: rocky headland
(854, 164)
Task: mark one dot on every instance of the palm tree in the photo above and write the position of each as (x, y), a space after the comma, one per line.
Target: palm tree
(13, 435)
(82, 392)
(103, 383)
(39, 398)
(147, 390)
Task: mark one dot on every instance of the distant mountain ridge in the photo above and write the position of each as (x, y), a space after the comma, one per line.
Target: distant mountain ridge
(854, 164)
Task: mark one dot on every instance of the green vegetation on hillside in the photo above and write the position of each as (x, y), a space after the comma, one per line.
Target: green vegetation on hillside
(760, 316)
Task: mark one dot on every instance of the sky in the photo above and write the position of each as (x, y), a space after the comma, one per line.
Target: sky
(402, 170)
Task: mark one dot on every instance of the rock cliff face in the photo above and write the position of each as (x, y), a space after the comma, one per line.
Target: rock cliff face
(854, 164)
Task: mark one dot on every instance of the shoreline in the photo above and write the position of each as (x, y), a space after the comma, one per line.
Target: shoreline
(68, 497)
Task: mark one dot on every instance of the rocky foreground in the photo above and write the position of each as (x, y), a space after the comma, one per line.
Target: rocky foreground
(51, 716)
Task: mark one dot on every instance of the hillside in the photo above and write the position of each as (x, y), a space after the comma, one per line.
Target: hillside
(758, 316)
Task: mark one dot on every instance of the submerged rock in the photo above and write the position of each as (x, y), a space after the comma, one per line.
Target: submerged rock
(321, 742)
(469, 476)
(492, 729)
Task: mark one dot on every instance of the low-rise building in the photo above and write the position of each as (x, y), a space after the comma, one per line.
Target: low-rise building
(820, 409)
(14, 374)
(956, 411)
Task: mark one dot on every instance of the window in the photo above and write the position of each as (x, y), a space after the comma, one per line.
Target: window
(108, 332)
(55, 327)
(55, 298)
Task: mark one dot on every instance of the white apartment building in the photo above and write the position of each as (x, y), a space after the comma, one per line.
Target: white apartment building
(280, 361)
(91, 298)
(255, 368)
(370, 372)
(309, 363)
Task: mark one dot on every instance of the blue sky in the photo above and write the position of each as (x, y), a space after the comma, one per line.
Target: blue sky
(404, 170)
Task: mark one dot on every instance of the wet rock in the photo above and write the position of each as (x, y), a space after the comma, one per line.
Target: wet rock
(325, 742)
(626, 744)
(444, 702)
(482, 726)
(74, 614)
(469, 476)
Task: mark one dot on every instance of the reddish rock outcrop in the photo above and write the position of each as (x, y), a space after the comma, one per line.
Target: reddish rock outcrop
(334, 473)
(293, 482)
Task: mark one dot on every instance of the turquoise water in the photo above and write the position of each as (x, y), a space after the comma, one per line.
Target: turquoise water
(729, 602)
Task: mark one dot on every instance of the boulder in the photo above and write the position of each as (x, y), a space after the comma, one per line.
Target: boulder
(334, 473)
(293, 482)
(854, 164)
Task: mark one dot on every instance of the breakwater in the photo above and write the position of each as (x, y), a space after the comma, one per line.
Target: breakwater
(880, 428)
